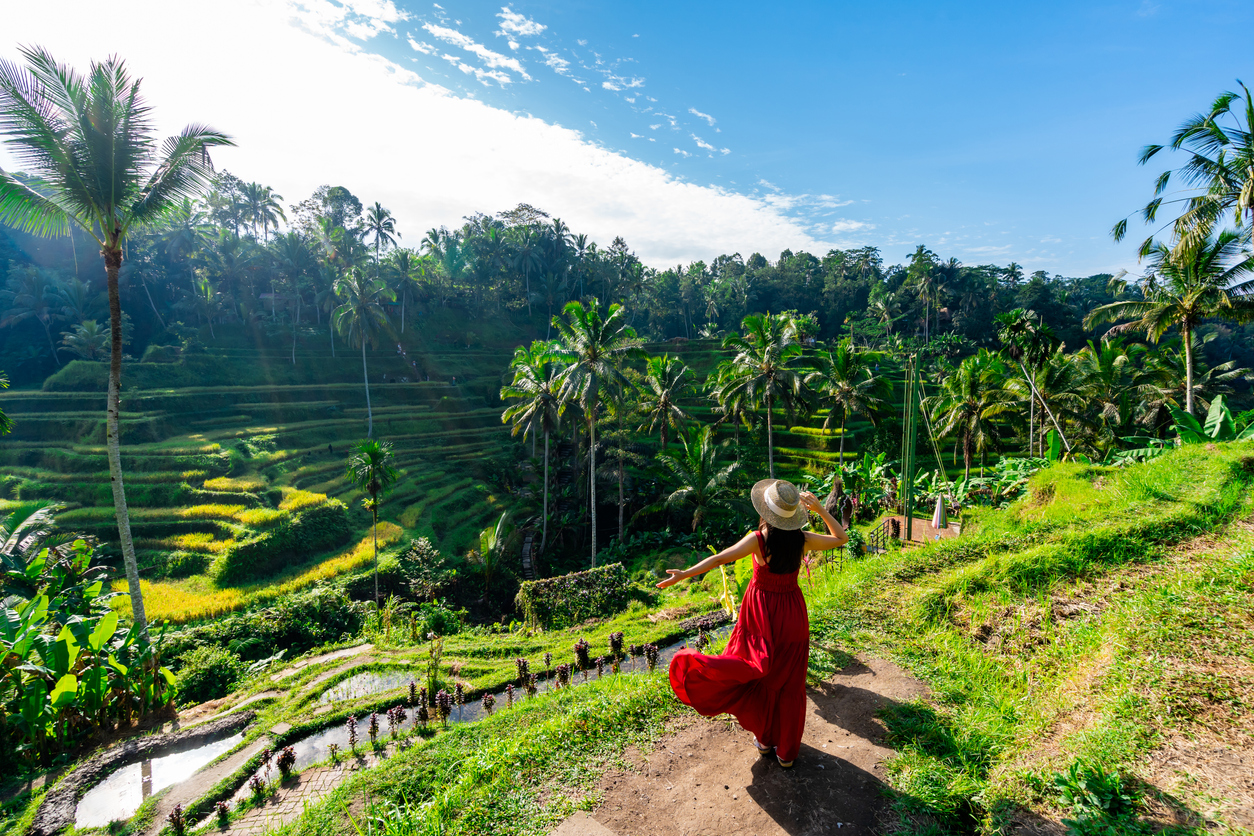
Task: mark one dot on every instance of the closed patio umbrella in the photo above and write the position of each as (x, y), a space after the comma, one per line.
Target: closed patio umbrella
(940, 520)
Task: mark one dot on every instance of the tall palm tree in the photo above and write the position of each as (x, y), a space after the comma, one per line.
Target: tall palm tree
(370, 470)
(1113, 382)
(970, 397)
(361, 319)
(765, 370)
(1198, 279)
(527, 256)
(382, 225)
(404, 270)
(537, 389)
(1029, 342)
(704, 480)
(845, 381)
(90, 141)
(1219, 173)
(263, 208)
(594, 348)
(665, 384)
(294, 260)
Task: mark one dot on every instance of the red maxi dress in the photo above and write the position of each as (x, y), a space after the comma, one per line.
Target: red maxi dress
(761, 676)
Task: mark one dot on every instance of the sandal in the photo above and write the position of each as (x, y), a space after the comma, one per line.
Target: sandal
(764, 751)
(785, 764)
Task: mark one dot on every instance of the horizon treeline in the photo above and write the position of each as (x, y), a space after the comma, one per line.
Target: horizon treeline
(240, 255)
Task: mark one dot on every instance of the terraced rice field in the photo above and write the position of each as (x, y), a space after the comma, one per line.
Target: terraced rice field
(210, 467)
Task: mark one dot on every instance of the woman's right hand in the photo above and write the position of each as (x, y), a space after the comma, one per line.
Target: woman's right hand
(810, 501)
(676, 575)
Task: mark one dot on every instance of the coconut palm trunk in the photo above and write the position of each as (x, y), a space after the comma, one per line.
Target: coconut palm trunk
(770, 439)
(592, 475)
(365, 375)
(544, 525)
(1187, 332)
(113, 262)
(374, 513)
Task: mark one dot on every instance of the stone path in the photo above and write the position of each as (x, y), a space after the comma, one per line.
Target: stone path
(202, 782)
(290, 799)
(301, 664)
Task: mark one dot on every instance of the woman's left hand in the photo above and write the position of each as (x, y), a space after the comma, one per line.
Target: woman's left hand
(676, 575)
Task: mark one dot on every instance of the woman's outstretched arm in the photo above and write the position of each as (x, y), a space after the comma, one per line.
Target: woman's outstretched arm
(742, 548)
(816, 542)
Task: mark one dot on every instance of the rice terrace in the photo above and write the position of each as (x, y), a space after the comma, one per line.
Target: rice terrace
(424, 421)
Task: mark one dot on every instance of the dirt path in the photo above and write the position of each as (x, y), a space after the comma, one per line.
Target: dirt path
(706, 777)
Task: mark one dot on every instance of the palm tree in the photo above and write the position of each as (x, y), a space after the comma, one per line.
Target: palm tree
(31, 294)
(1029, 342)
(970, 397)
(527, 259)
(664, 386)
(294, 260)
(1219, 171)
(262, 208)
(89, 340)
(78, 302)
(594, 348)
(404, 271)
(1058, 384)
(536, 387)
(382, 225)
(846, 381)
(1199, 279)
(764, 370)
(370, 470)
(361, 319)
(705, 482)
(1113, 382)
(90, 142)
(1167, 379)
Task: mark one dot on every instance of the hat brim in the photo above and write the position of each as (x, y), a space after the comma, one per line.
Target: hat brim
(758, 496)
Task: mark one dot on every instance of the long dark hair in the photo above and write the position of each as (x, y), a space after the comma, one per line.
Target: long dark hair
(784, 547)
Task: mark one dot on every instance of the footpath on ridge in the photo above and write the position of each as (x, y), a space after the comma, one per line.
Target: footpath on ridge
(705, 777)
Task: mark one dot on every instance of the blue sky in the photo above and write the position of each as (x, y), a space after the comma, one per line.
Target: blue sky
(989, 132)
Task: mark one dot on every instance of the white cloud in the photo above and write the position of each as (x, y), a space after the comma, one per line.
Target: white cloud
(581, 42)
(609, 85)
(490, 159)
(492, 59)
(633, 136)
(701, 143)
(421, 46)
(513, 44)
(516, 24)
(851, 226)
(682, 153)
(707, 117)
(655, 127)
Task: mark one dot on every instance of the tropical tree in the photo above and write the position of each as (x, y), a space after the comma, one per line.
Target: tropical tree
(536, 390)
(1029, 342)
(704, 481)
(294, 260)
(6, 423)
(765, 370)
(665, 384)
(88, 340)
(90, 142)
(594, 348)
(31, 295)
(361, 319)
(405, 269)
(1114, 380)
(263, 207)
(1197, 280)
(970, 398)
(845, 382)
(370, 470)
(1218, 174)
(382, 225)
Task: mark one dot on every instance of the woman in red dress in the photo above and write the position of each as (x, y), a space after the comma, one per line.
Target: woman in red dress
(761, 676)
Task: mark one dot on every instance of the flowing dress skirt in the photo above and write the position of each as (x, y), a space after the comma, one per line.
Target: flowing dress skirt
(761, 676)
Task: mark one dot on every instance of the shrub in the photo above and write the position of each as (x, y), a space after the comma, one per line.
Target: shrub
(569, 599)
(208, 673)
(315, 530)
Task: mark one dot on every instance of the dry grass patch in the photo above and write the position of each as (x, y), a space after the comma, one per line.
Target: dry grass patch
(246, 484)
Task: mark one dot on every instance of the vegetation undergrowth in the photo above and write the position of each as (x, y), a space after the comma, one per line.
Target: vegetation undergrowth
(1101, 615)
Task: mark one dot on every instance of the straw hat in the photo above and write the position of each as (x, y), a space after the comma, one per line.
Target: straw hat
(779, 503)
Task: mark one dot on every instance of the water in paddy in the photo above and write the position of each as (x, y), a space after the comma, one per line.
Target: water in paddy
(117, 797)
(314, 747)
(368, 682)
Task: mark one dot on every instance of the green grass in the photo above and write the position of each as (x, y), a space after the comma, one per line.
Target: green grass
(1083, 623)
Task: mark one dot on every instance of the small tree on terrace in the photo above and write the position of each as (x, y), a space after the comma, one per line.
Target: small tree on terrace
(665, 384)
(370, 469)
(90, 142)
